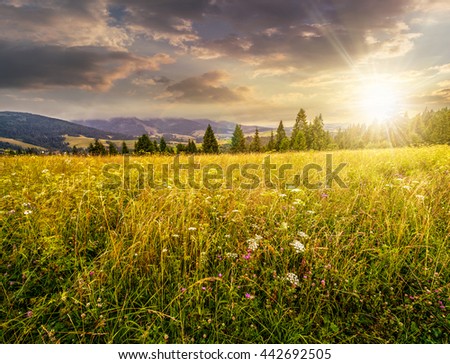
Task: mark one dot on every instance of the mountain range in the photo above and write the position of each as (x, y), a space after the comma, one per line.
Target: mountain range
(19, 129)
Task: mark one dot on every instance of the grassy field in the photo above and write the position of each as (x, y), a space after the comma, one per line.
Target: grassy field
(84, 260)
(19, 143)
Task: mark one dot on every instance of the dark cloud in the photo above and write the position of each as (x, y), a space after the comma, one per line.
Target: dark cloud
(42, 66)
(207, 88)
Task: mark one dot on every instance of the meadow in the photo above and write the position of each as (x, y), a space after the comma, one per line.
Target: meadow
(85, 260)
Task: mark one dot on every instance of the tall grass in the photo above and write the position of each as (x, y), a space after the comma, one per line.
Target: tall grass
(83, 261)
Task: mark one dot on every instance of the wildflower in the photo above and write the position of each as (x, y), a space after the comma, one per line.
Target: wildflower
(420, 197)
(192, 228)
(324, 195)
(26, 204)
(203, 288)
(248, 296)
(228, 236)
(253, 244)
(298, 247)
(302, 235)
(29, 314)
(247, 256)
(296, 190)
(282, 195)
(164, 251)
(231, 255)
(292, 278)
(83, 316)
(322, 282)
(91, 273)
(27, 212)
(310, 212)
(183, 289)
(220, 275)
(175, 236)
(45, 171)
(235, 211)
(12, 212)
(407, 188)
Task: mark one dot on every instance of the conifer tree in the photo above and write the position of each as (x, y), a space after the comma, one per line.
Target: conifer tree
(125, 149)
(238, 140)
(112, 149)
(281, 140)
(271, 144)
(255, 145)
(210, 144)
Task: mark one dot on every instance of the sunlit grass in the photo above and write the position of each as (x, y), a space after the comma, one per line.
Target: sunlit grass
(92, 263)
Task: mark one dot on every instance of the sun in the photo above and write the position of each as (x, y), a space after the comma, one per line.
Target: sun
(380, 100)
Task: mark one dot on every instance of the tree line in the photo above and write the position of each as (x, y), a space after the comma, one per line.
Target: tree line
(428, 127)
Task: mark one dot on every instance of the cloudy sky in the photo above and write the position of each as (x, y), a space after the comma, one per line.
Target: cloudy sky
(252, 61)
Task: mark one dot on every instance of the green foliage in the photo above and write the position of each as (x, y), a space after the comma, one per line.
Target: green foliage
(144, 145)
(112, 149)
(124, 148)
(255, 145)
(97, 148)
(238, 140)
(281, 140)
(210, 145)
(162, 145)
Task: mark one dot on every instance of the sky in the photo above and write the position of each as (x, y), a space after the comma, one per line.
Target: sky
(250, 62)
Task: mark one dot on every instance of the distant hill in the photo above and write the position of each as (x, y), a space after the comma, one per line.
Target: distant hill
(170, 128)
(45, 132)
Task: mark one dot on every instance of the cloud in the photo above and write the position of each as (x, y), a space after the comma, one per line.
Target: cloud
(207, 88)
(64, 23)
(33, 66)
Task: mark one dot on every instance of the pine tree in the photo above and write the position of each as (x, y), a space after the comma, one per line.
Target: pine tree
(299, 132)
(271, 144)
(125, 149)
(318, 135)
(75, 150)
(281, 140)
(210, 144)
(155, 147)
(162, 145)
(112, 149)
(238, 140)
(97, 148)
(255, 145)
(143, 145)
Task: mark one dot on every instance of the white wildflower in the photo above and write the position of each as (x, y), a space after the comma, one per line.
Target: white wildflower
(258, 237)
(303, 235)
(27, 212)
(281, 195)
(284, 225)
(228, 236)
(292, 278)
(420, 197)
(310, 212)
(175, 236)
(253, 244)
(192, 228)
(231, 255)
(407, 188)
(45, 171)
(296, 190)
(235, 211)
(164, 251)
(298, 246)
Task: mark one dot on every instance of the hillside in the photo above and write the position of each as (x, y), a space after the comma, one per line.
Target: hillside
(45, 132)
(170, 128)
